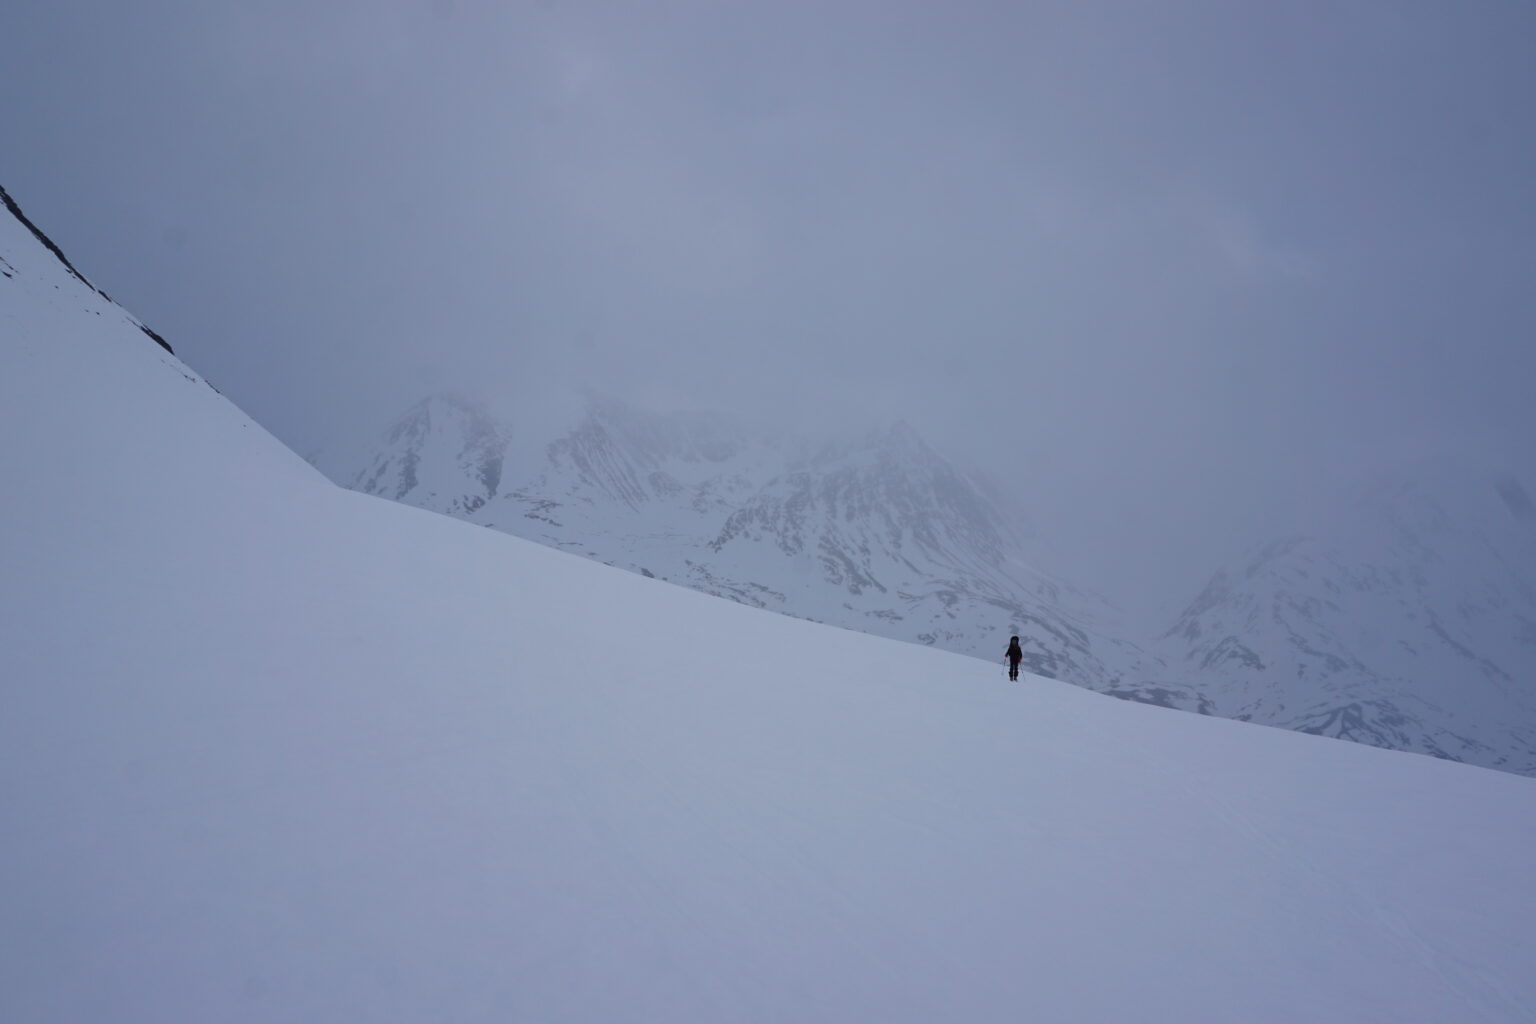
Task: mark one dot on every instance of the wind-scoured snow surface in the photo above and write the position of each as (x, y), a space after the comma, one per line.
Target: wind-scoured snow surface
(273, 750)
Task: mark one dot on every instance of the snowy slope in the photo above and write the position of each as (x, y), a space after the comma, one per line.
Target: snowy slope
(877, 533)
(1410, 624)
(273, 750)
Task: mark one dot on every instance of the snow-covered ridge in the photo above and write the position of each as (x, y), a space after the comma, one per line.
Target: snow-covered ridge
(8, 270)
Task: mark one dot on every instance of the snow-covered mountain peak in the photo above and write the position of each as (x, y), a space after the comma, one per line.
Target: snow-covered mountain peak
(1410, 622)
(447, 404)
(893, 491)
(894, 444)
(655, 440)
(445, 448)
(900, 440)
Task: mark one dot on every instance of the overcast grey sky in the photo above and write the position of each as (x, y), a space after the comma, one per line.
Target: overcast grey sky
(1176, 271)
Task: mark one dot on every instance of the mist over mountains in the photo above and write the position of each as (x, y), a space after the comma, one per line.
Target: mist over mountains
(1407, 621)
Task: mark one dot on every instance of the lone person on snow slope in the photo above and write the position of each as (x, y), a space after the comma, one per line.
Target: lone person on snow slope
(1015, 655)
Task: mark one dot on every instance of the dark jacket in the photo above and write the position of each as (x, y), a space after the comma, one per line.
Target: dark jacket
(1015, 654)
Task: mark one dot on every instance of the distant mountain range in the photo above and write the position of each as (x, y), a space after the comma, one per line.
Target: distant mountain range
(1409, 624)
(876, 533)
